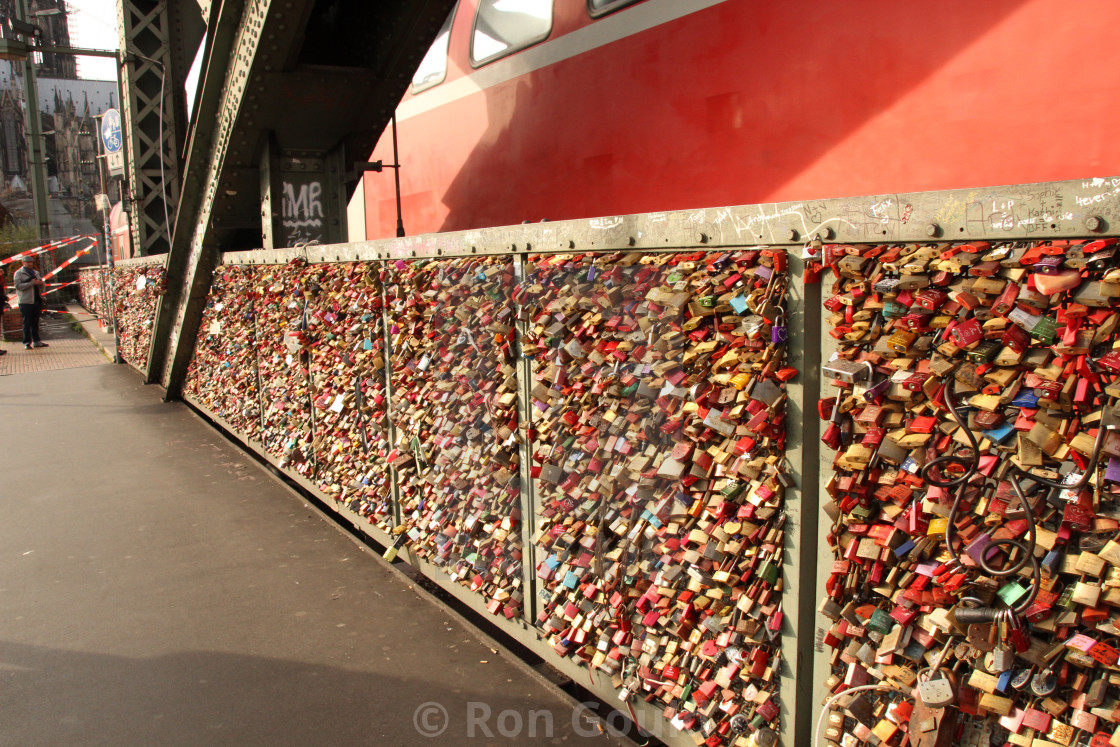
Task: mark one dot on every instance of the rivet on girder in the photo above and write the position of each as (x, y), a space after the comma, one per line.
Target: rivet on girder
(1094, 223)
(933, 230)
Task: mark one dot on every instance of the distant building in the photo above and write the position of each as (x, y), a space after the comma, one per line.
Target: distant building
(68, 106)
(51, 16)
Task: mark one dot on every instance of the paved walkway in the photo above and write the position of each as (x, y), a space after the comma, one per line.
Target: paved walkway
(158, 587)
(68, 348)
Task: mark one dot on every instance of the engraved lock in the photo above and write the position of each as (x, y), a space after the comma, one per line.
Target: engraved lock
(1101, 260)
(846, 371)
(1045, 329)
(901, 340)
(931, 299)
(938, 690)
(966, 333)
(886, 285)
(1020, 679)
(1044, 683)
(1110, 361)
(779, 333)
(1049, 265)
(983, 353)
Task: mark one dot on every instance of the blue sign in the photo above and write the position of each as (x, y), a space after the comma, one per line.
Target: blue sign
(111, 131)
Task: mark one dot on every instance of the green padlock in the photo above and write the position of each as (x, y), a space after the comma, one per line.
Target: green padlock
(1011, 593)
(1045, 329)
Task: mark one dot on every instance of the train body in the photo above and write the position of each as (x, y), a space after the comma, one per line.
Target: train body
(557, 109)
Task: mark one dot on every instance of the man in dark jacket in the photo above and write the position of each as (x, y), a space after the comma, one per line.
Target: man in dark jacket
(3, 306)
(29, 294)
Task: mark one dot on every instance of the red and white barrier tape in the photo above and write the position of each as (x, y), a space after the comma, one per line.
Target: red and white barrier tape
(67, 263)
(49, 247)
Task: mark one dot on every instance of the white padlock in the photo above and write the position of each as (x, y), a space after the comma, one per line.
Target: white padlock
(938, 690)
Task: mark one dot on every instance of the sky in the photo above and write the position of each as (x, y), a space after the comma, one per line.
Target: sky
(93, 25)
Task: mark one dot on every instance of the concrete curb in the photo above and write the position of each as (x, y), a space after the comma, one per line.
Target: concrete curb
(91, 328)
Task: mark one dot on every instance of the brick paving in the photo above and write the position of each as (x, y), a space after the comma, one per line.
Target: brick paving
(68, 349)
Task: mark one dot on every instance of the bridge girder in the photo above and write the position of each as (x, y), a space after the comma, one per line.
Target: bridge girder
(291, 92)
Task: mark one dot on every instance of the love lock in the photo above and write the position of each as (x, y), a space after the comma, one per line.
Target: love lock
(939, 690)
(765, 737)
(1044, 683)
(1020, 679)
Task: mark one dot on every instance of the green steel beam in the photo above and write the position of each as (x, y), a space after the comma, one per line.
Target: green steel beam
(359, 68)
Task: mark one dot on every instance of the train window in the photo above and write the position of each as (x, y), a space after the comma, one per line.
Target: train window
(602, 7)
(433, 68)
(502, 27)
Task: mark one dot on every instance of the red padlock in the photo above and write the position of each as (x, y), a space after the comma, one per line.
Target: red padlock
(968, 332)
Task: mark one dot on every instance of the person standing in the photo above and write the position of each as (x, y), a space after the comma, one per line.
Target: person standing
(3, 306)
(29, 294)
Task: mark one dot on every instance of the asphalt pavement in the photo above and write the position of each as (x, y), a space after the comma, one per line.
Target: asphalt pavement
(157, 586)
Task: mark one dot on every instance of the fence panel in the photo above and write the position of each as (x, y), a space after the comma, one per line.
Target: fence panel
(454, 409)
(137, 288)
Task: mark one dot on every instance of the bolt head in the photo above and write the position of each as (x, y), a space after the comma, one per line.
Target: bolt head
(1094, 223)
(933, 230)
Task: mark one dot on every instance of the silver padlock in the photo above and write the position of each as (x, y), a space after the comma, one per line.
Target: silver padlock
(1044, 683)
(1020, 679)
(1000, 659)
(938, 690)
(765, 737)
(847, 371)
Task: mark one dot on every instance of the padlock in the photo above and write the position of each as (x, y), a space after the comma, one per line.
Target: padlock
(846, 371)
(966, 333)
(901, 340)
(1044, 683)
(778, 332)
(1002, 658)
(832, 433)
(938, 689)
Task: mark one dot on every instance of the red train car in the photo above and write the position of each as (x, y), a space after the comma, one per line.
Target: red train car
(560, 109)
